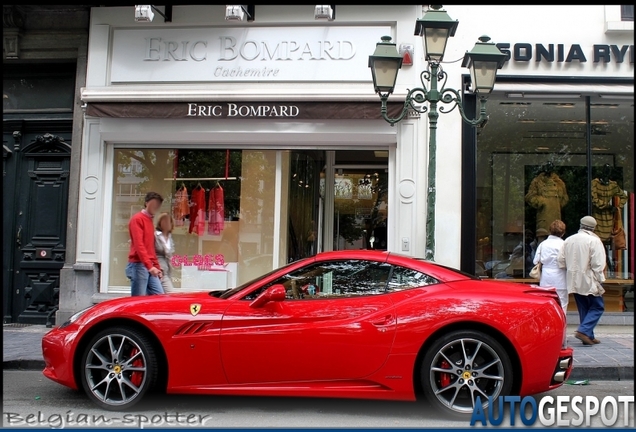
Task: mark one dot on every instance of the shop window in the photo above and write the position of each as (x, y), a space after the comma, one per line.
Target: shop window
(534, 166)
(222, 203)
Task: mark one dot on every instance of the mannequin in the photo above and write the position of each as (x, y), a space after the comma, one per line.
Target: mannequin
(547, 193)
(604, 189)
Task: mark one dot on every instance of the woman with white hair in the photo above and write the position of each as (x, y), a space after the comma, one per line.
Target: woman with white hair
(553, 276)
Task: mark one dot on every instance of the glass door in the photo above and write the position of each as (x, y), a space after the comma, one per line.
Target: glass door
(352, 214)
(305, 204)
(360, 207)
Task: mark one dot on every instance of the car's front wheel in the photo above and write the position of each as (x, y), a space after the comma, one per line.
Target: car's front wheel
(118, 367)
(461, 367)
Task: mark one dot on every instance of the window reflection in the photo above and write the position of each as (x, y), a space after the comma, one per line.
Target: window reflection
(222, 209)
(532, 168)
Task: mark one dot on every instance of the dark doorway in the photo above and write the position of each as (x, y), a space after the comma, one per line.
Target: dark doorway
(35, 200)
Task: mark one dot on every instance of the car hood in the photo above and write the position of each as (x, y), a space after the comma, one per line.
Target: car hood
(152, 307)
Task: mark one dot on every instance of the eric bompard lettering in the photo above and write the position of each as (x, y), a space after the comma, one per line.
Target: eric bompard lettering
(236, 110)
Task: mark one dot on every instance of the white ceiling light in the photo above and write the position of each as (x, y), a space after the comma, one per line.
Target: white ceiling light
(234, 13)
(144, 13)
(239, 12)
(325, 12)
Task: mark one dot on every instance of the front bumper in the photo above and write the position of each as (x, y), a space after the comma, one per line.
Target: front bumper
(58, 349)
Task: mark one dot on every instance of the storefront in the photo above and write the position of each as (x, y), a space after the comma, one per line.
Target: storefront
(256, 119)
(559, 144)
(241, 127)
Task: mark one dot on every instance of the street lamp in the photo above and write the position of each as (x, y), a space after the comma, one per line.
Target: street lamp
(483, 61)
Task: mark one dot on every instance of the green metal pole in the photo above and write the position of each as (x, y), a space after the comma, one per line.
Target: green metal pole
(433, 98)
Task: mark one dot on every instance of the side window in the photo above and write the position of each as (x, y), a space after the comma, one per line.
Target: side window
(333, 279)
(403, 279)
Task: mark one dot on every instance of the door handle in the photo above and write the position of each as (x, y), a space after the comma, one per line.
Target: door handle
(19, 236)
(383, 321)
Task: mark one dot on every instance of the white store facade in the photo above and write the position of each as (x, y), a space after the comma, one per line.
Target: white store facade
(271, 111)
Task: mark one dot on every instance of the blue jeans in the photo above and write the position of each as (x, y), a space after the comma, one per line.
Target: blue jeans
(590, 310)
(141, 281)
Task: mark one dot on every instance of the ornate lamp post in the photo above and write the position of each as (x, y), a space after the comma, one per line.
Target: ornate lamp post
(483, 61)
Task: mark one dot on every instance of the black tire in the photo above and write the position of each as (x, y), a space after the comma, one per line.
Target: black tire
(119, 365)
(477, 366)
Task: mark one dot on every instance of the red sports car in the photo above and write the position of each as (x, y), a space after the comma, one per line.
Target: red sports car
(348, 324)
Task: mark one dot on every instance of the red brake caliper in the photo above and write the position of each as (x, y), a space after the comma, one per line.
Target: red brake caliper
(136, 376)
(444, 378)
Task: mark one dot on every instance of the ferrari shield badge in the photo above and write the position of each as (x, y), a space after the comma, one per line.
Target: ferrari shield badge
(195, 308)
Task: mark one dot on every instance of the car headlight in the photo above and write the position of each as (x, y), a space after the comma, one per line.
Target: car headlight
(75, 316)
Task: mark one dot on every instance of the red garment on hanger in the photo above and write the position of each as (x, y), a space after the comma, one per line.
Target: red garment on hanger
(216, 210)
(180, 208)
(197, 211)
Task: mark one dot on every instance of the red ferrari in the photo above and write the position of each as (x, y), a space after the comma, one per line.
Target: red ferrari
(348, 324)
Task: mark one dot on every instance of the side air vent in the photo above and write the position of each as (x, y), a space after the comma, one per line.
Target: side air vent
(192, 328)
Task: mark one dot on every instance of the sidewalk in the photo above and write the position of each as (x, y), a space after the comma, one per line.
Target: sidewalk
(612, 359)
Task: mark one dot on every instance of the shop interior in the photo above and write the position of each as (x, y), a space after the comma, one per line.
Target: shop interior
(229, 226)
(533, 158)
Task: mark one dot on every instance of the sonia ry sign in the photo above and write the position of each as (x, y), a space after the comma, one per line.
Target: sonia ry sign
(562, 53)
(243, 54)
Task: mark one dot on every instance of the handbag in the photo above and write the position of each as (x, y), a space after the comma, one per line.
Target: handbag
(535, 273)
(618, 233)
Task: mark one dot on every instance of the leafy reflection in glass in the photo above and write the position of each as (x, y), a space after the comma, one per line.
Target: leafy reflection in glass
(347, 278)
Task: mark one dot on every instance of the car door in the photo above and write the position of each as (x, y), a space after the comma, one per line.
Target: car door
(337, 322)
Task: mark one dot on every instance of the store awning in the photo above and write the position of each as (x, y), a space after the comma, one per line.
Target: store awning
(243, 110)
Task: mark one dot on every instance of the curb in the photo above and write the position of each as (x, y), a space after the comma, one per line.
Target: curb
(23, 364)
(599, 373)
(603, 373)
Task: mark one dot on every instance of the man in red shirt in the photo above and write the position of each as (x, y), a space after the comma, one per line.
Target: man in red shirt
(143, 268)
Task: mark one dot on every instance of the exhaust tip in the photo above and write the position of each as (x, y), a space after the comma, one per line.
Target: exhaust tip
(559, 376)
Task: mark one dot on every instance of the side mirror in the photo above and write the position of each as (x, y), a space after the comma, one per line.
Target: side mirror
(274, 293)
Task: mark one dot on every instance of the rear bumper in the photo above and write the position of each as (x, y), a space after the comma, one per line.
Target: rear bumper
(563, 367)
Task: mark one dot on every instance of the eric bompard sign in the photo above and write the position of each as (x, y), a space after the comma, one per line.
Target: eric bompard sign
(239, 110)
(243, 54)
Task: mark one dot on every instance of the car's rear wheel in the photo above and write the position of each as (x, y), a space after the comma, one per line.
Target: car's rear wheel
(462, 366)
(118, 367)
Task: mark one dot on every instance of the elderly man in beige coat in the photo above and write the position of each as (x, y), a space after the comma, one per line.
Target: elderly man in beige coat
(583, 256)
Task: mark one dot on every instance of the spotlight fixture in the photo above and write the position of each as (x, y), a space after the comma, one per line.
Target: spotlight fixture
(146, 13)
(239, 12)
(323, 12)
